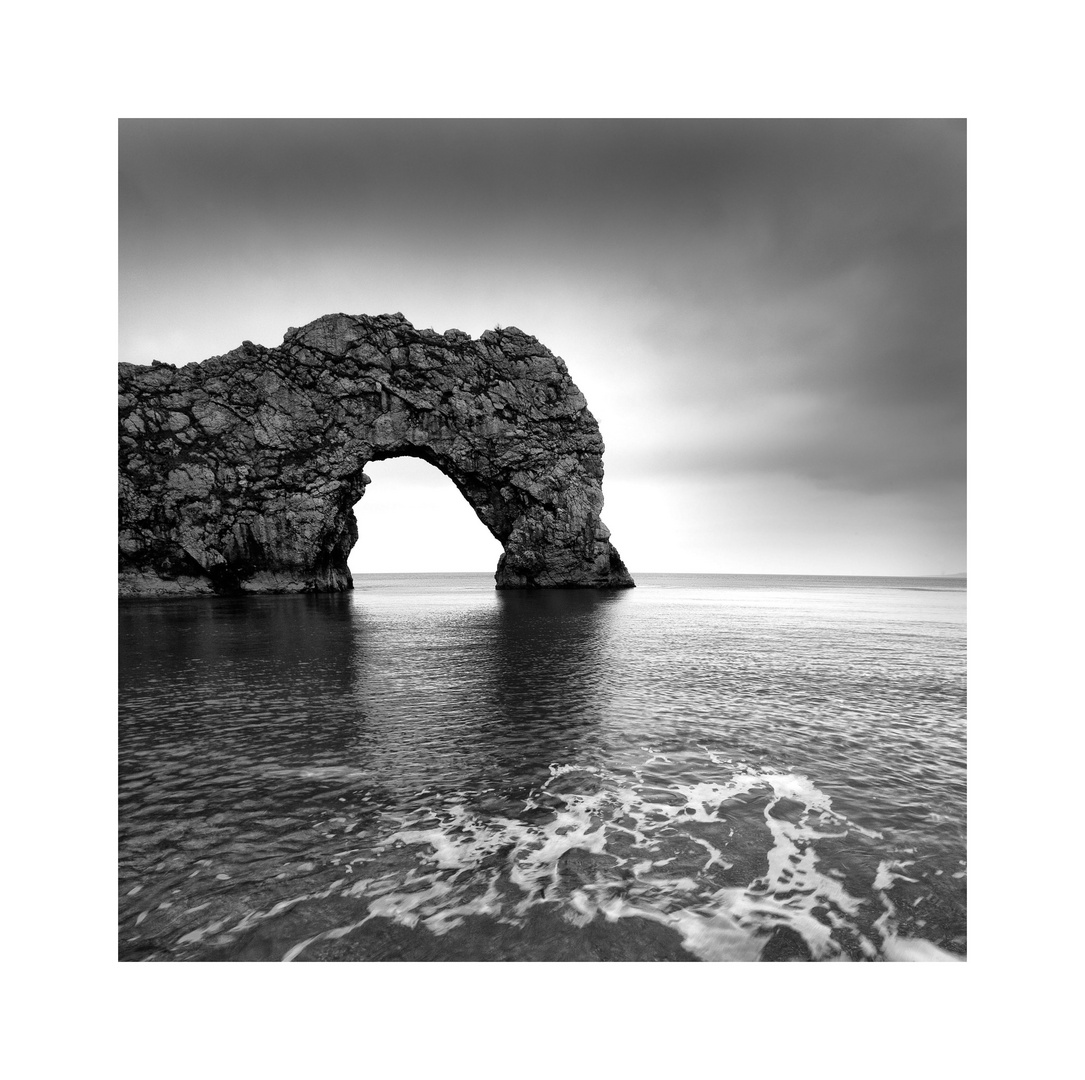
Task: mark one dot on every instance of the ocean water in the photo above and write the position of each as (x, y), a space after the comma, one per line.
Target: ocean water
(704, 768)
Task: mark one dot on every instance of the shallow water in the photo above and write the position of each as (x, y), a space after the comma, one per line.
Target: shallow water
(703, 768)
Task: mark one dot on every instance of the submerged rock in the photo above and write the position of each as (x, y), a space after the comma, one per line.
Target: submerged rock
(241, 473)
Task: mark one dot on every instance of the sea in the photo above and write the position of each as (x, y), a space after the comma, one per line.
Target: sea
(703, 768)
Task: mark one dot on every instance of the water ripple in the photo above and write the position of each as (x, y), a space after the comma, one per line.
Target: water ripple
(666, 774)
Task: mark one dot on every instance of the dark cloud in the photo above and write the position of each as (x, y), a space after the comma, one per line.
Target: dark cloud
(869, 176)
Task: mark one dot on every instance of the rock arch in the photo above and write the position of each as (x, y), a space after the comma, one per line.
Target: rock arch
(240, 473)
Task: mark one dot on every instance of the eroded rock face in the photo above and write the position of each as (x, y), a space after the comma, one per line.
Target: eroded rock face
(241, 473)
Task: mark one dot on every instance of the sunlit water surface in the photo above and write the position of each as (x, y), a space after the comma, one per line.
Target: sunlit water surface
(703, 768)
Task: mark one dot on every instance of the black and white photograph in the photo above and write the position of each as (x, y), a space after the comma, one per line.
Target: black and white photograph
(542, 540)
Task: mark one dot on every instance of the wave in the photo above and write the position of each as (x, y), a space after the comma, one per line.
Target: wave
(734, 866)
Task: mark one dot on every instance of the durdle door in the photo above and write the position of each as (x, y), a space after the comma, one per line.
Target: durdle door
(240, 474)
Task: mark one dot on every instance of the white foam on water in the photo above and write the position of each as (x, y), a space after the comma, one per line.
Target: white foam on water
(488, 904)
(735, 922)
(715, 856)
(716, 937)
(399, 907)
(916, 949)
(621, 847)
(715, 923)
(896, 947)
(403, 907)
(563, 770)
(889, 872)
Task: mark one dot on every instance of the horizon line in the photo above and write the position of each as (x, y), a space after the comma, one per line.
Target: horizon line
(693, 573)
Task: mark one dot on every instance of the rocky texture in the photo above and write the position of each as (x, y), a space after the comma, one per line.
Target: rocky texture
(241, 473)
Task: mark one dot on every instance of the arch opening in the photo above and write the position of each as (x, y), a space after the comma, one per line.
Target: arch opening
(413, 519)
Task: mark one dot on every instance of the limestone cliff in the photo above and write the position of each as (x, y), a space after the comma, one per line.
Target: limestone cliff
(240, 473)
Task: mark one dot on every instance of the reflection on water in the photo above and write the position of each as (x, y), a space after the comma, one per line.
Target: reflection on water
(481, 693)
(429, 769)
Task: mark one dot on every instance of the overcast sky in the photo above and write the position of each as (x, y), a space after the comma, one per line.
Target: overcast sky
(766, 317)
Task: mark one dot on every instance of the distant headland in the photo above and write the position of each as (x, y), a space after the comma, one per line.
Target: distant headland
(240, 473)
